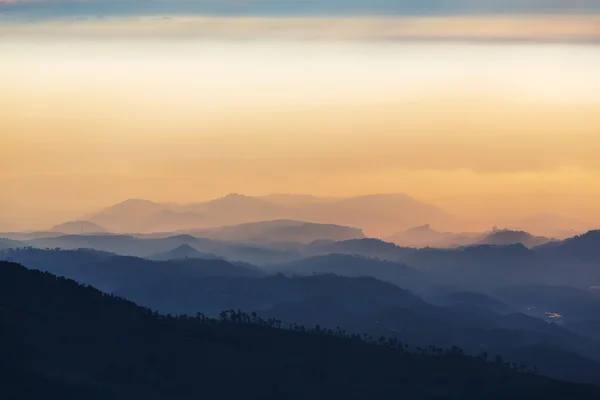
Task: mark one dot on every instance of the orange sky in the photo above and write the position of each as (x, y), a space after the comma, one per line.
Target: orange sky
(486, 128)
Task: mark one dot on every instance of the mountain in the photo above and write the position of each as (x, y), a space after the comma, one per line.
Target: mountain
(555, 359)
(135, 207)
(424, 236)
(112, 273)
(589, 328)
(354, 266)
(480, 267)
(472, 268)
(571, 304)
(572, 262)
(379, 214)
(78, 227)
(575, 260)
(171, 220)
(130, 215)
(236, 209)
(373, 248)
(9, 244)
(20, 236)
(284, 199)
(182, 252)
(584, 247)
(149, 247)
(280, 231)
(551, 225)
(503, 237)
(473, 299)
(64, 340)
(361, 305)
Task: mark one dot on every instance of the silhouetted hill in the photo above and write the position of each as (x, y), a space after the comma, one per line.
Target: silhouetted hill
(473, 327)
(481, 266)
(78, 227)
(364, 304)
(111, 272)
(474, 268)
(424, 236)
(474, 299)
(590, 328)
(565, 365)
(584, 247)
(504, 237)
(59, 335)
(19, 236)
(570, 303)
(148, 247)
(354, 266)
(8, 244)
(182, 252)
(365, 247)
(280, 231)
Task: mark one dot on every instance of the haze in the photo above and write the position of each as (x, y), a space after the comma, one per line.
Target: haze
(497, 120)
(355, 199)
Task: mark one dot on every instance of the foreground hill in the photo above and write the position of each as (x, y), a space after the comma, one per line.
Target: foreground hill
(63, 340)
(361, 304)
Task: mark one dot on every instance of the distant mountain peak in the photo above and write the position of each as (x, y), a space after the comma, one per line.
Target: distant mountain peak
(77, 227)
(234, 196)
(182, 252)
(134, 202)
(185, 247)
(506, 237)
(421, 228)
(377, 214)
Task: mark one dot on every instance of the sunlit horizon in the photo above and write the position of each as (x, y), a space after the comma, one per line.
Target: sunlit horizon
(495, 121)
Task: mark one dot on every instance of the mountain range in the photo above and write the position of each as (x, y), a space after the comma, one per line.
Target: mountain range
(352, 298)
(64, 340)
(425, 236)
(279, 231)
(376, 214)
(78, 227)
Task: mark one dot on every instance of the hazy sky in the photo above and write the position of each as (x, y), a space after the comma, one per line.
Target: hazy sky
(494, 114)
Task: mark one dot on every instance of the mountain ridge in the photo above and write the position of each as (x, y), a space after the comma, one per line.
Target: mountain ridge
(375, 212)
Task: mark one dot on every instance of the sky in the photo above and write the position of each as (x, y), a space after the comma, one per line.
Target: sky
(488, 109)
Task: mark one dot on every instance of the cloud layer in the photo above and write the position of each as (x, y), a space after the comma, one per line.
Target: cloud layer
(484, 28)
(65, 8)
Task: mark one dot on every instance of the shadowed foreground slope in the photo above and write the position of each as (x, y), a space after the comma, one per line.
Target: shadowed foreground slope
(63, 339)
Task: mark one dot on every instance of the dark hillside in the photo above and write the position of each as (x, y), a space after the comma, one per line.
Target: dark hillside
(63, 339)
